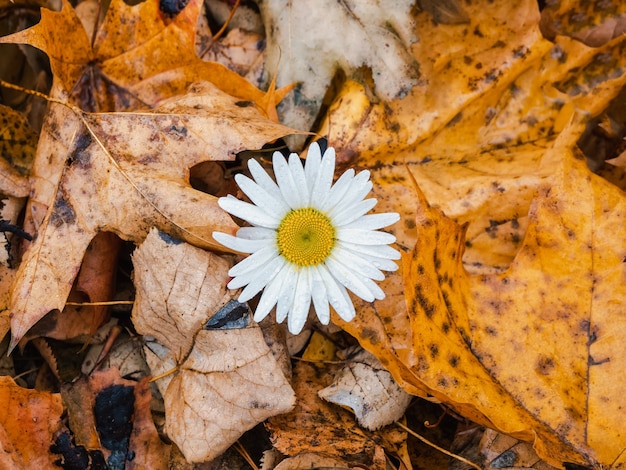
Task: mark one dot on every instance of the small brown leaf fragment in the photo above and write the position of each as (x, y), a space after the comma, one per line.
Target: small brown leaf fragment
(333, 431)
(364, 386)
(148, 449)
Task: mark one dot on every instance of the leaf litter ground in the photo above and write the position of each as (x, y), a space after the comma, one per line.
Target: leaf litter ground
(509, 313)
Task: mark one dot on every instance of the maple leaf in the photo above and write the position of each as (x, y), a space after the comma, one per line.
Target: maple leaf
(488, 112)
(533, 351)
(139, 55)
(128, 172)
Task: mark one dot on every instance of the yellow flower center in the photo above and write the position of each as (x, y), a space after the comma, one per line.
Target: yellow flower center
(305, 237)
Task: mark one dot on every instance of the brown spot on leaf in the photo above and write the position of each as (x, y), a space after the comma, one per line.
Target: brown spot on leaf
(371, 335)
(62, 213)
(545, 365)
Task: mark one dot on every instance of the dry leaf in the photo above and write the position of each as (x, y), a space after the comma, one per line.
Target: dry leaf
(179, 287)
(140, 55)
(534, 351)
(369, 390)
(127, 185)
(227, 380)
(333, 431)
(27, 426)
(478, 152)
(112, 415)
(501, 451)
(148, 449)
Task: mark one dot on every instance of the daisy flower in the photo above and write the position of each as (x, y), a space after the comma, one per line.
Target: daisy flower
(309, 240)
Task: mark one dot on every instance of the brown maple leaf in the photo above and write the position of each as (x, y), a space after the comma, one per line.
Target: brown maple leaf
(126, 173)
(139, 55)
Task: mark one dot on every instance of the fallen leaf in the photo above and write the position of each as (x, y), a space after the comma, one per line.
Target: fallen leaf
(128, 185)
(478, 152)
(112, 415)
(334, 433)
(501, 451)
(27, 425)
(534, 351)
(127, 66)
(353, 35)
(369, 390)
(147, 447)
(224, 381)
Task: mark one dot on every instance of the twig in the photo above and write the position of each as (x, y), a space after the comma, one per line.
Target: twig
(435, 446)
(103, 303)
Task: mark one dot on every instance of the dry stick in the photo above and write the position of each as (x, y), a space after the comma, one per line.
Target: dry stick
(435, 446)
(164, 374)
(244, 453)
(103, 303)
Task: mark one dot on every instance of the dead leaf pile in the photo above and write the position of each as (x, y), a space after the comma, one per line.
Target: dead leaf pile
(479, 122)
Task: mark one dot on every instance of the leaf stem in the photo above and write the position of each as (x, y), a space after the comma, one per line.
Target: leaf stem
(41, 95)
(435, 446)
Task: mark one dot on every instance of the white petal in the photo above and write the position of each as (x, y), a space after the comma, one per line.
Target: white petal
(320, 298)
(374, 221)
(337, 295)
(285, 181)
(312, 165)
(337, 191)
(256, 233)
(285, 297)
(357, 264)
(360, 186)
(270, 294)
(350, 280)
(324, 179)
(260, 279)
(353, 212)
(254, 262)
(239, 244)
(365, 237)
(301, 303)
(248, 212)
(378, 251)
(276, 207)
(297, 172)
(383, 264)
(263, 179)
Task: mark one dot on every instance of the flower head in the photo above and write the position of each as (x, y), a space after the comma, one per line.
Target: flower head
(309, 239)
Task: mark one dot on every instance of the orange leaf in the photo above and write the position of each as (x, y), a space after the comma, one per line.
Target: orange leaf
(140, 55)
(28, 422)
(535, 351)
